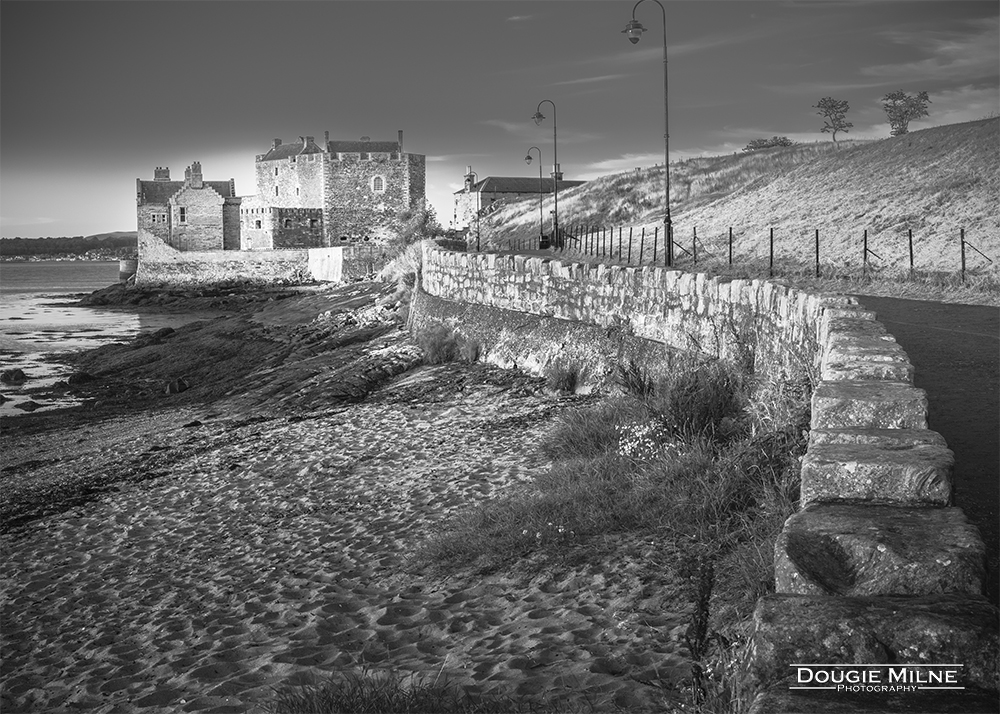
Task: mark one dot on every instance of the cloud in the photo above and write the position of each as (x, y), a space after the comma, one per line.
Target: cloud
(625, 162)
(519, 18)
(590, 80)
(452, 157)
(966, 52)
(529, 131)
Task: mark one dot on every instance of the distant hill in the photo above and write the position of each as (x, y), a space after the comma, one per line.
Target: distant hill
(933, 182)
(116, 244)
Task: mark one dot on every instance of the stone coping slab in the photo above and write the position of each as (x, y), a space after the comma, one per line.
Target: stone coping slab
(928, 629)
(782, 700)
(868, 404)
(919, 475)
(879, 550)
(883, 438)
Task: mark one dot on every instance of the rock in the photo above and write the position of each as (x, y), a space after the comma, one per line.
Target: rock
(918, 475)
(191, 424)
(28, 406)
(940, 629)
(879, 550)
(176, 386)
(80, 378)
(13, 376)
(873, 404)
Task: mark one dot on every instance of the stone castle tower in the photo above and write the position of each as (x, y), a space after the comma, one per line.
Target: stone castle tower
(315, 195)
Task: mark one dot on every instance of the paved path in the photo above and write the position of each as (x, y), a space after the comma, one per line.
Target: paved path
(955, 351)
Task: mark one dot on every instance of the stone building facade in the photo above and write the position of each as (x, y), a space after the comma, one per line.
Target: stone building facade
(481, 196)
(312, 195)
(309, 195)
(188, 215)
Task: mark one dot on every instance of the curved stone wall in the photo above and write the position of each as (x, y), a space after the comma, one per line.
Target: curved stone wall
(877, 566)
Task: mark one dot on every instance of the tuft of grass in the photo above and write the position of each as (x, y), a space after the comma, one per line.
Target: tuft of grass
(391, 692)
(563, 376)
(440, 344)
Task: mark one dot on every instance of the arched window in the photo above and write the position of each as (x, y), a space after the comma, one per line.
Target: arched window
(378, 184)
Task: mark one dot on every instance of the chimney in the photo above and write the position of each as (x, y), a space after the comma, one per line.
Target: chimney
(468, 178)
(161, 173)
(276, 143)
(401, 141)
(193, 175)
(326, 141)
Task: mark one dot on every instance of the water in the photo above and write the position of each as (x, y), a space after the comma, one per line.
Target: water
(38, 320)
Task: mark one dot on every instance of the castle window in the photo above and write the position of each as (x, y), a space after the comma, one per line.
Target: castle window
(183, 215)
(296, 192)
(313, 224)
(288, 223)
(275, 190)
(257, 222)
(275, 170)
(378, 184)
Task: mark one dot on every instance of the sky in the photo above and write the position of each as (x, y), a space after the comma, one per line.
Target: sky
(94, 94)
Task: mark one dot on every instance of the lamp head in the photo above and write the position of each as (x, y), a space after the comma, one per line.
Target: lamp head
(633, 30)
(538, 117)
(527, 159)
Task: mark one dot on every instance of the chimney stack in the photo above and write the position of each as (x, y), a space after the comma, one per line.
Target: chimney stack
(276, 143)
(400, 141)
(161, 173)
(326, 141)
(193, 175)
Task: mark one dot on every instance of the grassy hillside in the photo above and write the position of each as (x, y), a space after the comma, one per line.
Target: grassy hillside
(933, 182)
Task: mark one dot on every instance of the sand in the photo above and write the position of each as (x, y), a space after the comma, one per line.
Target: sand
(248, 554)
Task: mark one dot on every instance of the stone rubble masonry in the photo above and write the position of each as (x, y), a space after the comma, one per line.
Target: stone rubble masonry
(877, 566)
(162, 265)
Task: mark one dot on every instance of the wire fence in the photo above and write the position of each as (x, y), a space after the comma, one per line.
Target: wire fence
(763, 251)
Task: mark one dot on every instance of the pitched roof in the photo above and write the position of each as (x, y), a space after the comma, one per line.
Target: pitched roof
(518, 184)
(159, 192)
(283, 151)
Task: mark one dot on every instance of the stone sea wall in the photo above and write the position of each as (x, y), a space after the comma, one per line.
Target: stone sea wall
(162, 265)
(877, 566)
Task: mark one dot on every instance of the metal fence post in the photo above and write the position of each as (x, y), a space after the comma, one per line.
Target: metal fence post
(770, 263)
(630, 245)
(911, 252)
(656, 233)
(694, 244)
(730, 246)
(642, 244)
(963, 253)
(817, 252)
(864, 257)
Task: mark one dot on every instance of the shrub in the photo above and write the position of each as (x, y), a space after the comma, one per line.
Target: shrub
(758, 144)
(441, 344)
(562, 376)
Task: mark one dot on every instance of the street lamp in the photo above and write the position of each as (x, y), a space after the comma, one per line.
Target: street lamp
(539, 117)
(633, 30)
(472, 185)
(541, 215)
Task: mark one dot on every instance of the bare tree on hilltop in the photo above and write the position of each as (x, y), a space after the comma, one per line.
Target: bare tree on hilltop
(901, 108)
(834, 113)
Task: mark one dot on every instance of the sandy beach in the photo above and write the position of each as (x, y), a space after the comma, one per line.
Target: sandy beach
(268, 538)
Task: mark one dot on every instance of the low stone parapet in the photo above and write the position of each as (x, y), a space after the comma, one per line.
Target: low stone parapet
(863, 550)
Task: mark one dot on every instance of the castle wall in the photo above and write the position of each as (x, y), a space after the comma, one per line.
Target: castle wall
(298, 228)
(295, 182)
(231, 224)
(163, 265)
(352, 207)
(202, 227)
(256, 224)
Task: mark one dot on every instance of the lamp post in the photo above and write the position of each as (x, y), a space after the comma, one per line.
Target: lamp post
(472, 185)
(541, 215)
(633, 30)
(539, 117)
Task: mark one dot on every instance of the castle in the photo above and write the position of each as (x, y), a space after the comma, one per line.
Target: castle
(308, 196)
